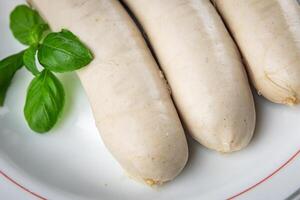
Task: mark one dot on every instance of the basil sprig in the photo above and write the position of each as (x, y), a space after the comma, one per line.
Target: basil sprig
(29, 59)
(44, 102)
(63, 52)
(56, 52)
(26, 25)
(8, 67)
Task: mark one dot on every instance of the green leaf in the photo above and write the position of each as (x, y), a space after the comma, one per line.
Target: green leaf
(8, 67)
(44, 102)
(63, 52)
(26, 25)
(29, 59)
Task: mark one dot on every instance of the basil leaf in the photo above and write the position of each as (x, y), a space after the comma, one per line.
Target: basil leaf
(44, 102)
(63, 52)
(29, 59)
(8, 67)
(26, 25)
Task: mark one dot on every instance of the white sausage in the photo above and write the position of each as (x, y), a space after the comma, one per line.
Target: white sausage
(268, 34)
(131, 104)
(204, 69)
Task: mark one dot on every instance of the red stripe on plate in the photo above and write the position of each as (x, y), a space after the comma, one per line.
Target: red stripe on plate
(266, 178)
(22, 187)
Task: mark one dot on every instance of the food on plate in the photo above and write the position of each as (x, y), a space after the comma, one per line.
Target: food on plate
(204, 69)
(268, 34)
(131, 104)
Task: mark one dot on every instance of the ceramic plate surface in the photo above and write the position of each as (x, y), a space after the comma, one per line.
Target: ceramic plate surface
(71, 161)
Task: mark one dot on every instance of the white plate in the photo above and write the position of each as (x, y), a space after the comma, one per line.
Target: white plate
(71, 161)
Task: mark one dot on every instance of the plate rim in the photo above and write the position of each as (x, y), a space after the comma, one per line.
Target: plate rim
(238, 194)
